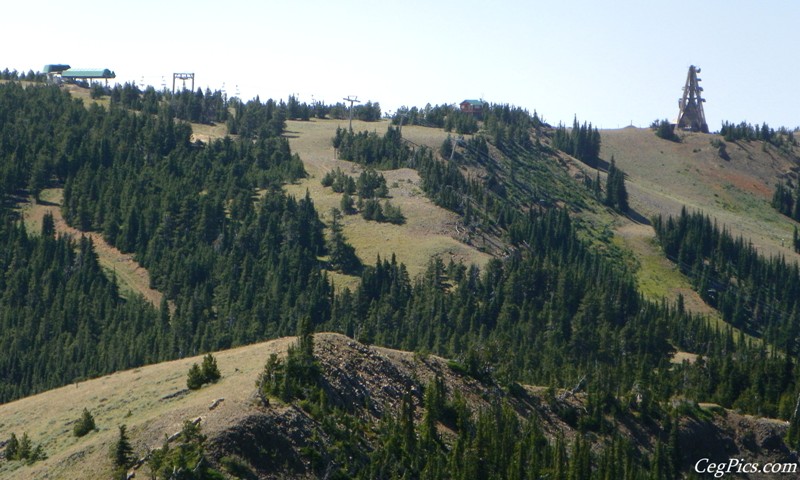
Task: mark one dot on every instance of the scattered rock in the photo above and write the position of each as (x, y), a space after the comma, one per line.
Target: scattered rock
(178, 394)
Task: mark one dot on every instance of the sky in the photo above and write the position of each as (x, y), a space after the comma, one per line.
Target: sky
(611, 63)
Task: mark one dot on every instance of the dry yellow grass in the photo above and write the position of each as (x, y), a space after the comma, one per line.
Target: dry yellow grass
(134, 398)
(206, 133)
(85, 95)
(663, 176)
(429, 230)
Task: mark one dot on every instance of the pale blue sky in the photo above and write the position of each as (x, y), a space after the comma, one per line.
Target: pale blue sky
(611, 63)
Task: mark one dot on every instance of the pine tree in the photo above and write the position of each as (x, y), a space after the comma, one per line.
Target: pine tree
(12, 448)
(616, 193)
(796, 240)
(25, 448)
(121, 451)
(194, 379)
(342, 255)
(209, 370)
(84, 425)
(347, 204)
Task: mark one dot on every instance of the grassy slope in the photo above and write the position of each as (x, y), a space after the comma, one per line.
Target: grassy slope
(429, 230)
(663, 176)
(133, 398)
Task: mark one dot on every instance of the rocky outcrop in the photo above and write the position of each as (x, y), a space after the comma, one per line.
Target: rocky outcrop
(277, 440)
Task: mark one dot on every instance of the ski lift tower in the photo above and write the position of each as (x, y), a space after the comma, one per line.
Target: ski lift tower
(691, 116)
(184, 77)
(352, 100)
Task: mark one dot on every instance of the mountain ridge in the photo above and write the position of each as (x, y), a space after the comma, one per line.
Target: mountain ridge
(368, 381)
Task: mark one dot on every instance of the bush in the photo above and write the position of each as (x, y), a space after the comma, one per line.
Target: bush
(665, 130)
(209, 370)
(200, 375)
(84, 425)
(194, 380)
(23, 450)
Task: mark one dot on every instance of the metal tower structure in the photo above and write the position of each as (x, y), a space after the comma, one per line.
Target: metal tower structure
(691, 116)
(184, 77)
(352, 101)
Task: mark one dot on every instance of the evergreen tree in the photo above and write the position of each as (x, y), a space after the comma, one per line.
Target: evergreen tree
(342, 255)
(347, 205)
(84, 425)
(209, 370)
(25, 448)
(121, 451)
(12, 448)
(195, 378)
(664, 129)
(616, 193)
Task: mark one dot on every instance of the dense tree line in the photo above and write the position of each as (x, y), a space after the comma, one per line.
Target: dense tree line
(368, 148)
(509, 127)
(448, 117)
(582, 142)
(367, 112)
(752, 292)
(61, 318)
(429, 116)
(30, 76)
(255, 119)
(745, 131)
(209, 222)
(504, 124)
(199, 107)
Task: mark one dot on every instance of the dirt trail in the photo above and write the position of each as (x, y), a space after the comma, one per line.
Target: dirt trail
(130, 275)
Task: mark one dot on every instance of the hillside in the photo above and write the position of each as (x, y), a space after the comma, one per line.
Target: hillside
(367, 382)
(430, 231)
(664, 176)
(512, 260)
(131, 276)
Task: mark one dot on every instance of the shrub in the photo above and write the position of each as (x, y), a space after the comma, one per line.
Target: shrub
(194, 379)
(665, 130)
(209, 370)
(84, 425)
(200, 375)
